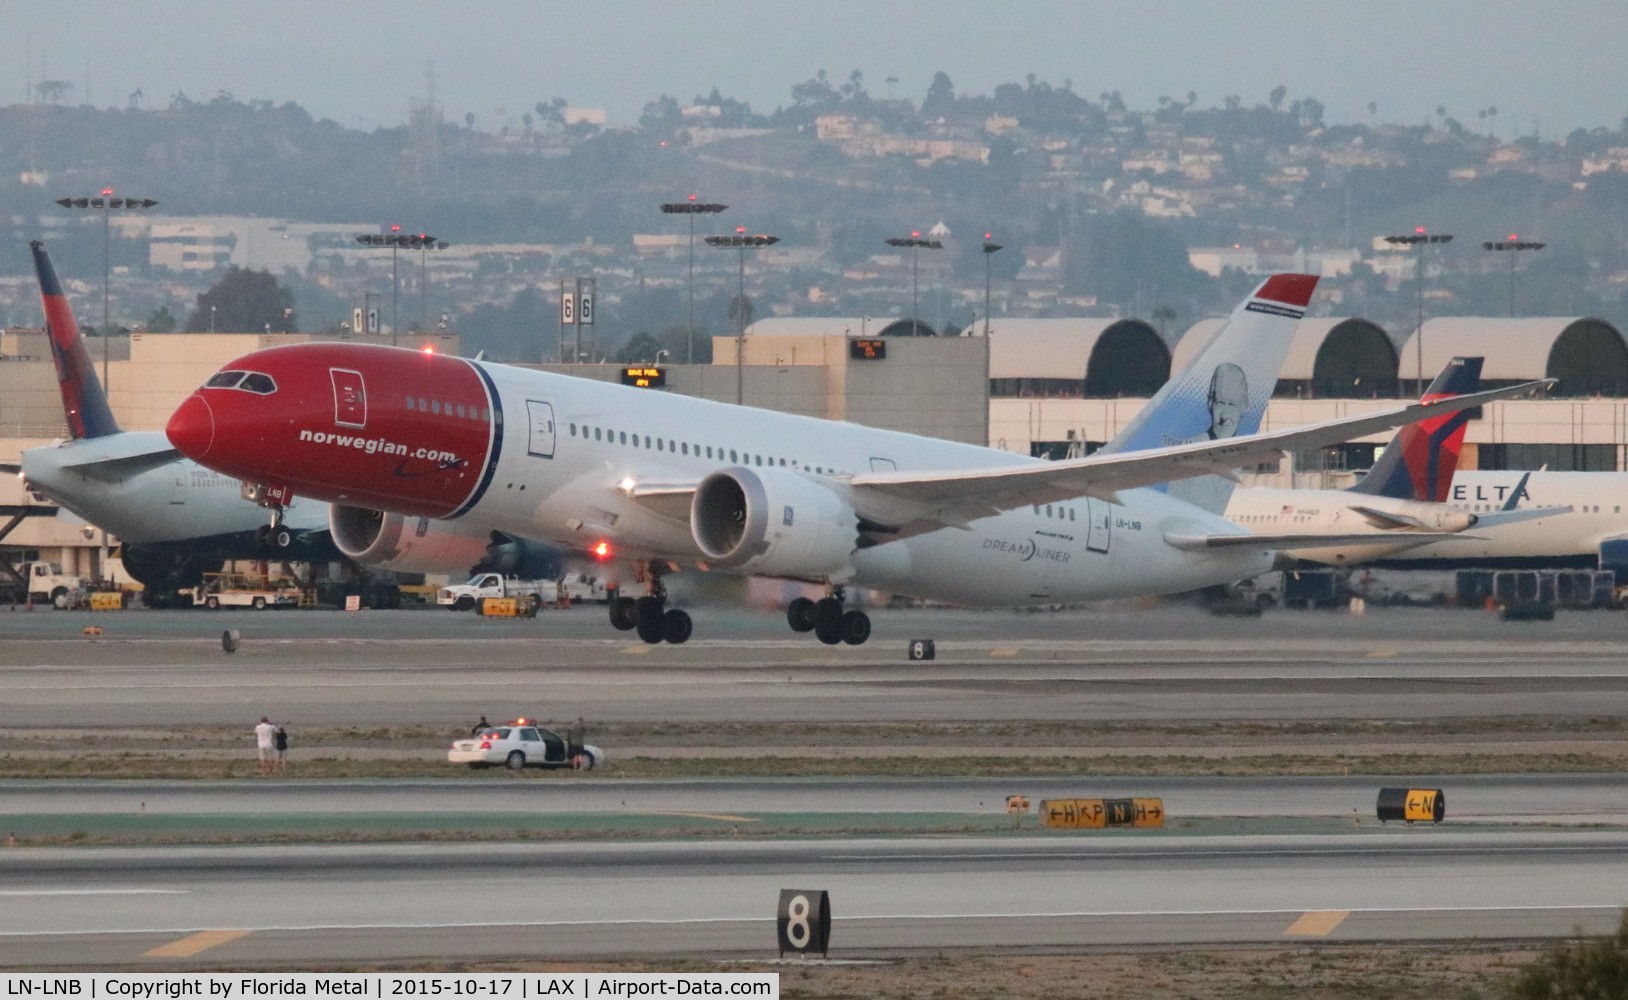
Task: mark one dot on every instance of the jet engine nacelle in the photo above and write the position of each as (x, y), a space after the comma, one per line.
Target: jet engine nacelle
(1434, 516)
(413, 545)
(772, 522)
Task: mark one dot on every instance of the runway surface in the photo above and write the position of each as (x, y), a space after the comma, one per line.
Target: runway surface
(246, 906)
(1520, 856)
(1569, 798)
(329, 669)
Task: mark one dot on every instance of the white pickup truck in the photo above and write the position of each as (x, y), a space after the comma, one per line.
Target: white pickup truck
(467, 596)
(573, 587)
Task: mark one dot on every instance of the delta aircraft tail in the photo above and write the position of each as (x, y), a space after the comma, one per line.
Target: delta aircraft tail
(83, 401)
(1224, 390)
(1419, 462)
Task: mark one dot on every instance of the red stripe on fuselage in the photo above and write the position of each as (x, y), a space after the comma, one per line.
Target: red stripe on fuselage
(421, 449)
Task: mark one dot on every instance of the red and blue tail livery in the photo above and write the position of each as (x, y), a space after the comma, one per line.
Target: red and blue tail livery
(83, 401)
(1420, 461)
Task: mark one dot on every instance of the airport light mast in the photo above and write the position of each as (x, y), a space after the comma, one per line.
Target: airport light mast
(1512, 245)
(1420, 239)
(916, 243)
(397, 240)
(690, 208)
(990, 249)
(742, 242)
(105, 203)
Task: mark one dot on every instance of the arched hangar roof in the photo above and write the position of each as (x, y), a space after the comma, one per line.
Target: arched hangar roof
(1062, 348)
(1587, 355)
(1341, 357)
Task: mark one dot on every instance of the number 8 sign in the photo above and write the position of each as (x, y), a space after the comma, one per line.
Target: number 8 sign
(803, 922)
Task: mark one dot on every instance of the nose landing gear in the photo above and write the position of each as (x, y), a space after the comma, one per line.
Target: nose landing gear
(827, 619)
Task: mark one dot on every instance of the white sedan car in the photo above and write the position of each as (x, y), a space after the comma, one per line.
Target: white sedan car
(521, 744)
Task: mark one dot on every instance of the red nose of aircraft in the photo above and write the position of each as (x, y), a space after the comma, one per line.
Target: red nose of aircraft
(192, 428)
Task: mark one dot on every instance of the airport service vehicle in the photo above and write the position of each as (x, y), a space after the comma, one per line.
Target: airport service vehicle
(465, 596)
(175, 519)
(521, 744)
(48, 584)
(1400, 500)
(238, 590)
(666, 483)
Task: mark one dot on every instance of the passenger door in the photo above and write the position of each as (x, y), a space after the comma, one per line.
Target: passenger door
(540, 441)
(1099, 517)
(350, 397)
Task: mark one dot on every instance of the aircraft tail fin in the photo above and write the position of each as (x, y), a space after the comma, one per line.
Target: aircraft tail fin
(1224, 390)
(83, 401)
(1420, 460)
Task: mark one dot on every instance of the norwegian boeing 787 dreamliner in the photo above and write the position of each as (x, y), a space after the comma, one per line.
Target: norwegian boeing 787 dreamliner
(670, 482)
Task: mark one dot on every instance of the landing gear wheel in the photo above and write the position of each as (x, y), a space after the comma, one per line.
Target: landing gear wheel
(623, 614)
(800, 614)
(652, 629)
(648, 609)
(828, 612)
(283, 537)
(856, 628)
(676, 626)
(262, 536)
(828, 634)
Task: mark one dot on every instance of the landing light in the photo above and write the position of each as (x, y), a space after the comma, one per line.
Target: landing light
(602, 550)
(627, 484)
(429, 348)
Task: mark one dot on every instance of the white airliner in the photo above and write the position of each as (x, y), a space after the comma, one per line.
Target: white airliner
(669, 482)
(1594, 534)
(175, 519)
(1401, 499)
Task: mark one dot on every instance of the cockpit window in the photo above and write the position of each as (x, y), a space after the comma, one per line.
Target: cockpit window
(258, 383)
(255, 382)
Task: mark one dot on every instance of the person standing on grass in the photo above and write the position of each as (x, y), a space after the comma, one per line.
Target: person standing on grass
(280, 741)
(265, 741)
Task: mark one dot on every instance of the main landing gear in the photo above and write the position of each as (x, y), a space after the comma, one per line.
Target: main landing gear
(826, 619)
(650, 616)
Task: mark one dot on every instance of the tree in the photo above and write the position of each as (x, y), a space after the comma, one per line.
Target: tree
(52, 91)
(160, 320)
(1277, 95)
(940, 99)
(243, 301)
(639, 347)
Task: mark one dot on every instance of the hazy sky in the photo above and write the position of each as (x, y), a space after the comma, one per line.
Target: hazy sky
(359, 61)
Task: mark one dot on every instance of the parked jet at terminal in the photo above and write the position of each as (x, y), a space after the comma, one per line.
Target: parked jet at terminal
(1579, 520)
(176, 519)
(668, 481)
(1400, 500)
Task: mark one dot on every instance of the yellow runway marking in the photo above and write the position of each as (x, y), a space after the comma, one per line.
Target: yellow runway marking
(1002, 653)
(722, 817)
(638, 650)
(1317, 923)
(194, 943)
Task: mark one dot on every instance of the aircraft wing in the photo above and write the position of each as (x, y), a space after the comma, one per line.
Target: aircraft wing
(1275, 542)
(913, 502)
(1498, 517)
(117, 468)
